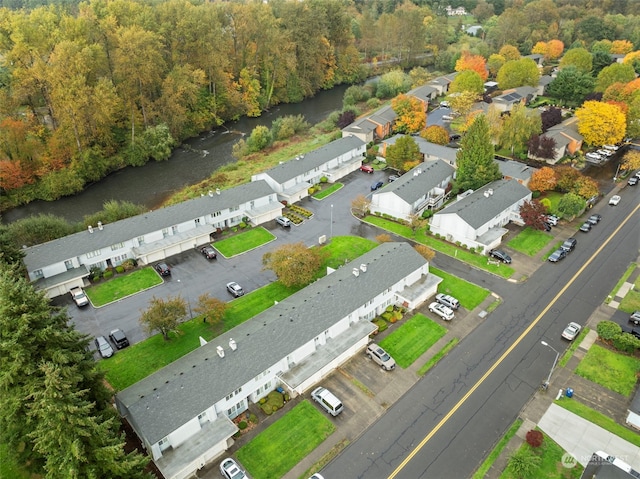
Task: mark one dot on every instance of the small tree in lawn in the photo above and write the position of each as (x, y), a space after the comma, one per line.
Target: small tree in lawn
(424, 251)
(212, 309)
(294, 264)
(164, 315)
(416, 222)
(360, 206)
(524, 462)
(570, 205)
(534, 438)
(533, 213)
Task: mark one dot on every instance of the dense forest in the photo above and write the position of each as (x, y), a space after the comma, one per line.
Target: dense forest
(88, 88)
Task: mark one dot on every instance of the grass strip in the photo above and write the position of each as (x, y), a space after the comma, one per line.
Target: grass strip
(122, 286)
(298, 433)
(412, 339)
(572, 348)
(599, 419)
(326, 459)
(438, 356)
(497, 450)
(621, 281)
(328, 191)
(243, 242)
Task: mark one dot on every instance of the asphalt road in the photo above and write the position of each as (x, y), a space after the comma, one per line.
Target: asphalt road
(448, 422)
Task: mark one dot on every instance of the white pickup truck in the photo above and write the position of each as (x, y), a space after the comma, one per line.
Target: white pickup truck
(79, 297)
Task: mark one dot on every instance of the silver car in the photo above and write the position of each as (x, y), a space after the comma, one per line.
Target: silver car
(230, 469)
(380, 357)
(103, 347)
(441, 310)
(571, 331)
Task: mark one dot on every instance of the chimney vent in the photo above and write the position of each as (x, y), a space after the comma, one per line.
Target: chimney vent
(232, 344)
(217, 191)
(486, 194)
(220, 351)
(490, 190)
(90, 229)
(211, 193)
(356, 272)
(100, 225)
(363, 267)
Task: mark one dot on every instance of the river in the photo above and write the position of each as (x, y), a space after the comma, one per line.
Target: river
(150, 185)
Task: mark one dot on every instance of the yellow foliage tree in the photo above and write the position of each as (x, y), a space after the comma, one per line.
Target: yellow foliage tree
(601, 123)
(541, 48)
(631, 57)
(621, 47)
(509, 52)
(411, 115)
(631, 160)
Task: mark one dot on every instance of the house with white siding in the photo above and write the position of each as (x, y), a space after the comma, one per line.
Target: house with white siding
(61, 264)
(423, 187)
(183, 413)
(477, 218)
(292, 179)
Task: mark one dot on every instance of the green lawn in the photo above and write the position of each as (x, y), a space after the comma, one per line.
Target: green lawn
(631, 301)
(469, 294)
(600, 419)
(554, 197)
(342, 249)
(243, 242)
(9, 469)
(328, 191)
(441, 246)
(529, 241)
(496, 451)
(551, 464)
(438, 356)
(615, 371)
(123, 286)
(273, 452)
(572, 348)
(412, 339)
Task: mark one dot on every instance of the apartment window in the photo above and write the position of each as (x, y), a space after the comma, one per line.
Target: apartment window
(237, 391)
(93, 254)
(235, 208)
(68, 264)
(202, 418)
(174, 230)
(117, 246)
(140, 240)
(38, 274)
(217, 213)
(197, 221)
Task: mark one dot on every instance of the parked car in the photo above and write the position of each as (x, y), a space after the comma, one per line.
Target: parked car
(231, 470)
(119, 339)
(454, 137)
(376, 185)
(163, 269)
(594, 156)
(633, 181)
(283, 221)
(635, 318)
(558, 255)
(380, 357)
(235, 289)
(501, 255)
(594, 219)
(615, 199)
(586, 227)
(79, 296)
(208, 252)
(103, 347)
(448, 301)
(569, 244)
(327, 401)
(611, 147)
(393, 178)
(633, 331)
(316, 476)
(444, 104)
(546, 225)
(604, 152)
(447, 117)
(366, 168)
(552, 220)
(441, 310)
(571, 331)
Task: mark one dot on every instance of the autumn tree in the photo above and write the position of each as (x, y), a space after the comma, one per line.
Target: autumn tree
(435, 134)
(621, 47)
(571, 85)
(404, 154)
(585, 187)
(294, 264)
(463, 102)
(615, 73)
(630, 160)
(533, 213)
(467, 80)
(509, 52)
(601, 123)
(543, 179)
(475, 63)
(515, 73)
(579, 58)
(212, 309)
(164, 316)
(571, 205)
(554, 49)
(475, 158)
(519, 126)
(566, 177)
(411, 114)
(424, 251)
(360, 206)
(416, 222)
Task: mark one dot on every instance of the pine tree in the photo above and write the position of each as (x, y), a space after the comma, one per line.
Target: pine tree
(475, 160)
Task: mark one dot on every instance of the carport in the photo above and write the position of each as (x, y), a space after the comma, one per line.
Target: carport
(173, 244)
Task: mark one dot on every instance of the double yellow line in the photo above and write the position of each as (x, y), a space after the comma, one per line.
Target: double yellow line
(499, 361)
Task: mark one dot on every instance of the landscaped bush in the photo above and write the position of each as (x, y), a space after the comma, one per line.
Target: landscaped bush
(324, 179)
(381, 323)
(386, 316)
(242, 425)
(129, 264)
(119, 269)
(625, 342)
(534, 438)
(608, 330)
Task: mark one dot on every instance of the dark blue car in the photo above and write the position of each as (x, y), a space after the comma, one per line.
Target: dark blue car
(376, 185)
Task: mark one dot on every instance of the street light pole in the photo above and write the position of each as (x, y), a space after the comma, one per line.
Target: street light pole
(555, 361)
(331, 235)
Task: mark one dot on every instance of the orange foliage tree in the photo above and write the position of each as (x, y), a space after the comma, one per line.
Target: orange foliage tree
(543, 180)
(475, 63)
(13, 176)
(621, 47)
(601, 123)
(555, 49)
(411, 115)
(585, 187)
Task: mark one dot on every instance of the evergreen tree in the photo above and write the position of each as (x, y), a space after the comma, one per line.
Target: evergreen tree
(56, 413)
(475, 160)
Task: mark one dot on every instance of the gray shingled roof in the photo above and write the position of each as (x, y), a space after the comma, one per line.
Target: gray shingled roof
(169, 398)
(361, 125)
(428, 148)
(413, 185)
(476, 209)
(318, 157)
(515, 169)
(62, 249)
(423, 92)
(384, 115)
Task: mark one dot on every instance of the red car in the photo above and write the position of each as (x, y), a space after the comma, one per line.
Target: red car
(366, 168)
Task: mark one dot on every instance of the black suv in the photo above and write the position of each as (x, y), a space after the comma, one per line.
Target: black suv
(163, 269)
(501, 255)
(208, 252)
(569, 244)
(118, 338)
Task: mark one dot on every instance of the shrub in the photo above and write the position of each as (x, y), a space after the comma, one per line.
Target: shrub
(608, 330)
(381, 323)
(95, 279)
(253, 419)
(386, 316)
(324, 179)
(128, 264)
(107, 274)
(534, 438)
(626, 343)
(242, 225)
(242, 425)
(95, 271)
(119, 269)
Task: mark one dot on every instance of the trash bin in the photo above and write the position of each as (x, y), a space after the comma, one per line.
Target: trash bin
(569, 392)
(280, 390)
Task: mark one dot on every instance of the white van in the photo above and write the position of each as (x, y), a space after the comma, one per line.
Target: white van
(327, 400)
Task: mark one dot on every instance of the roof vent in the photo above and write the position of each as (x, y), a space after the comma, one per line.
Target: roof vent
(415, 173)
(419, 170)
(297, 158)
(356, 272)
(232, 344)
(486, 194)
(210, 193)
(363, 267)
(90, 228)
(100, 225)
(490, 191)
(220, 351)
(217, 191)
